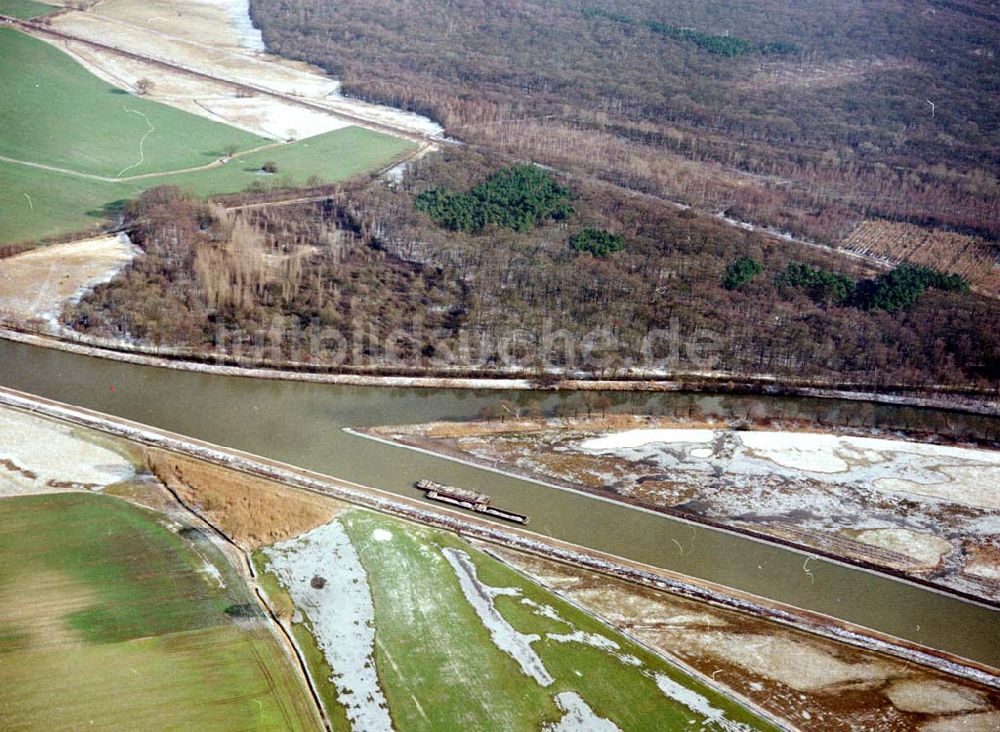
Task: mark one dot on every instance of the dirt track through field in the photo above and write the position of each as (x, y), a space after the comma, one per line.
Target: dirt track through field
(142, 140)
(143, 176)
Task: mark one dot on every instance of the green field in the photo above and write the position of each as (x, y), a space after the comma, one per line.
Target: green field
(439, 668)
(35, 203)
(62, 203)
(54, 112)
(25, 9)
(330, 157)
(110, 620)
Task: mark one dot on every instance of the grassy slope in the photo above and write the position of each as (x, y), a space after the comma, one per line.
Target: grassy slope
(75, 121)
(61, 203)
(53, 111)
(331, 156)
(125, 626)
(440, 670)
(25, 9)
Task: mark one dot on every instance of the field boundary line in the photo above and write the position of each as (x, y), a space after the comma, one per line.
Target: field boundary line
(261, 598)
(145, 176)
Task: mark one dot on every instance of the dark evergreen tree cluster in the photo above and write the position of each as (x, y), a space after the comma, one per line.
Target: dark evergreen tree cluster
(822, 285)
(899, 289)
(892, 292)
(598, 242)
(719, 45)
(778, 48)
(741, 272)
(520, 198)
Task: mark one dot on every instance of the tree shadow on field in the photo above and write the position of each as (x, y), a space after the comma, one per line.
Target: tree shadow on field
(193, 533)
(109, 210)
(116, 90)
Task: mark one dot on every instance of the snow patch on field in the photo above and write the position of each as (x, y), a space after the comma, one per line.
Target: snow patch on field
(799, 450)
(272, 117)
(382, 535)
(597, 641)
(341, 614)
(802, 666)
(239, 19)
(925, 548)
(974, 485)
(963, 475)
(37, 284)
(38, 455)
(213, 572)
(934, 697)
(505, 637)
(699, 705)
(640, 438)
(578, 716)
(546, 611)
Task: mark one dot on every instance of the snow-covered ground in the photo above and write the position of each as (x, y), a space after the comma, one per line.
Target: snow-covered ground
(217, 38)
(578, 716)
(327, 581)
(270, 117)
(39, 455)
(239, 19)
(927, 550)
(917, 506)
(481, 596)
(37, 284)
(698, 704)
(596, 641)
(961, 474)
(641, 438)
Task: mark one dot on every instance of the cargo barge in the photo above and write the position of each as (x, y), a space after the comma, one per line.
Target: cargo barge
(471, 500)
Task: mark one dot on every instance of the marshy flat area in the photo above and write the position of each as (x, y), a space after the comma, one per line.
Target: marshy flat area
(929, 511)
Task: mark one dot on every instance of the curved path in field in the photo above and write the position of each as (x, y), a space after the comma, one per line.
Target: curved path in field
(143, 176)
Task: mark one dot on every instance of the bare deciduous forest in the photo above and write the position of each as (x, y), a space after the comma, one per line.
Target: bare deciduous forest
(835, 129)
(808, 116)
(367, 264)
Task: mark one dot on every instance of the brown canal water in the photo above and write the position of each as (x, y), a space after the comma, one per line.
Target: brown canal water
(302, 424)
